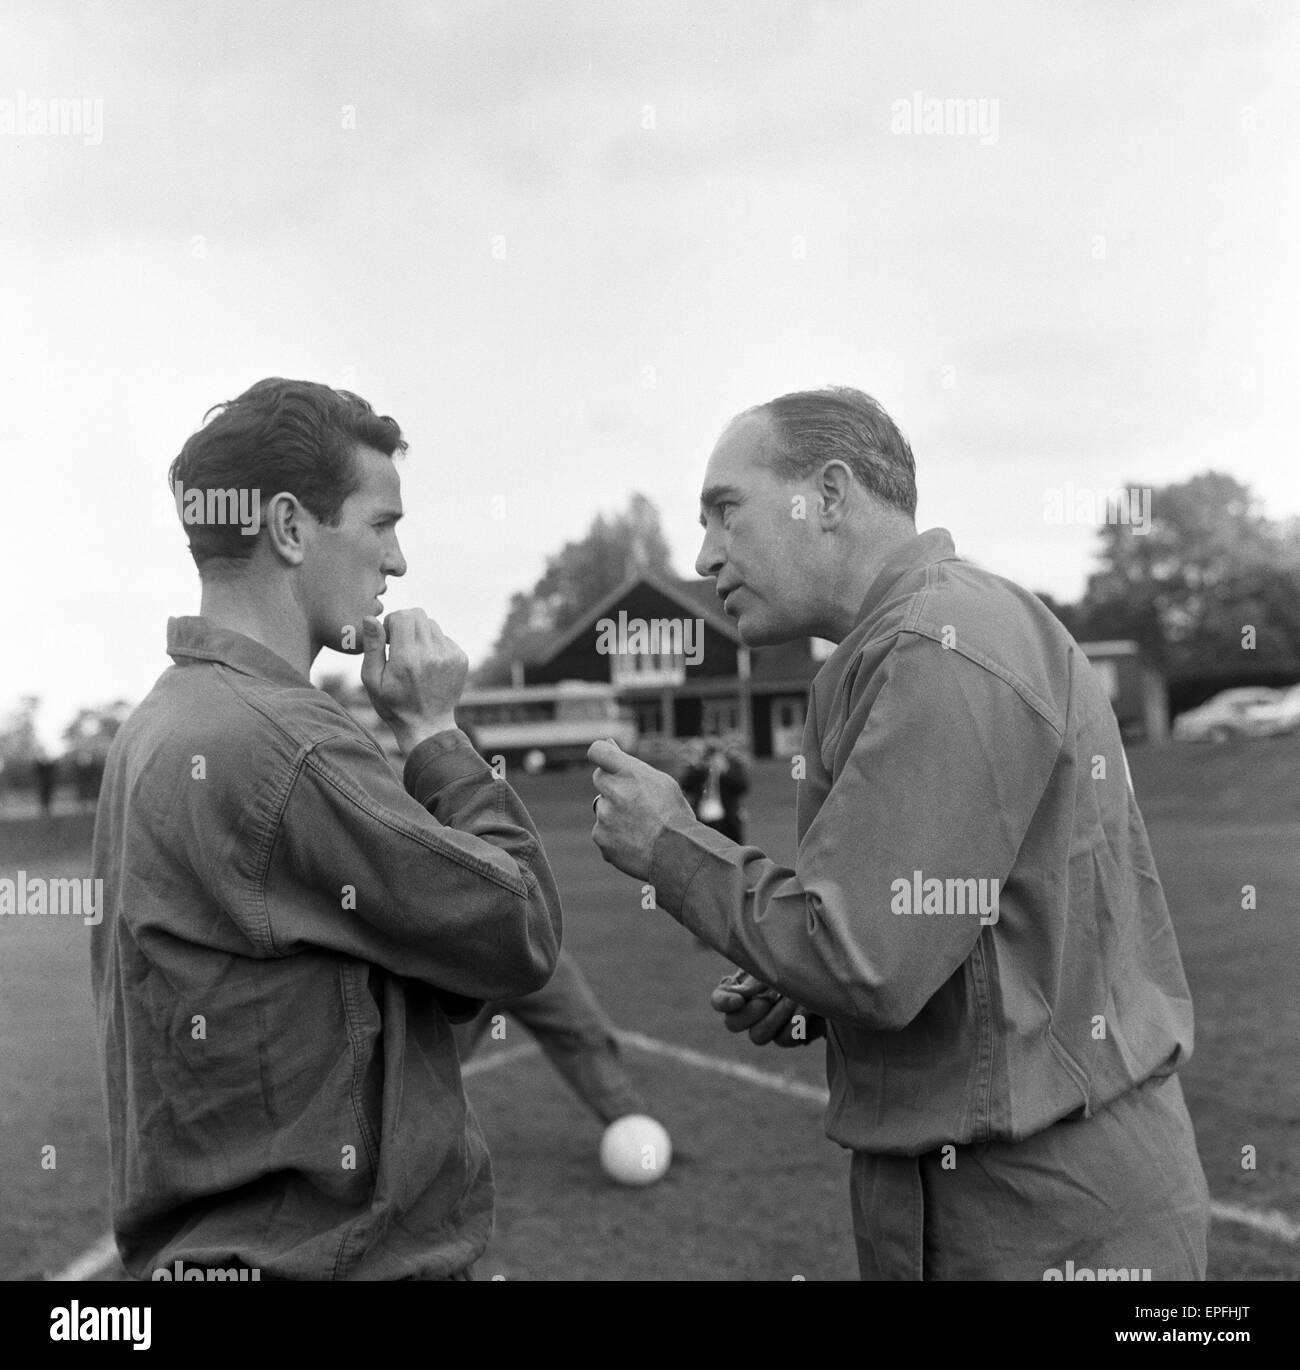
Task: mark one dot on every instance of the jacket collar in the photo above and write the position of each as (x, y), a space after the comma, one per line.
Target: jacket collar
(925, 549)
(199, 638)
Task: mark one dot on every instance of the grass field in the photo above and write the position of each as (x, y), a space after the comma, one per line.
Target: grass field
(755, 1190)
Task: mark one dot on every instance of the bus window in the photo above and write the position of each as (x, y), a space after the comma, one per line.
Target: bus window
(585, 707)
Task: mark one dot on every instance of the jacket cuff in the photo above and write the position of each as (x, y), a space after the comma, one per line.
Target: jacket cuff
(440, 760)
(675, 860)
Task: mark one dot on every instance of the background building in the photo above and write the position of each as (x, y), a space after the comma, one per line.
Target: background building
(759, 692)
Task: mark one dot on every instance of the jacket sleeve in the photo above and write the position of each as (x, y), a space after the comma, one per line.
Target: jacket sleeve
(440, 876)
(938, 770)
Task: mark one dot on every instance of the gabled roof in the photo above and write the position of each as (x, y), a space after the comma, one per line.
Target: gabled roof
(693, 596)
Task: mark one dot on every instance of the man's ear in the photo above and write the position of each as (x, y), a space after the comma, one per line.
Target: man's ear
(285, 519)
(835, 490)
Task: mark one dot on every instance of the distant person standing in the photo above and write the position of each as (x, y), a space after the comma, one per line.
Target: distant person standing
(714, 785)
(47, 775)
(87, 772)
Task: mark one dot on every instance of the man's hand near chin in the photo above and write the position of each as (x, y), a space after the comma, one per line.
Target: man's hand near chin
(634, 804)
(414, 674)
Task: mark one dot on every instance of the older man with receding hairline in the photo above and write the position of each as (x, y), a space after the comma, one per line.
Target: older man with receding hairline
(1003, 1071)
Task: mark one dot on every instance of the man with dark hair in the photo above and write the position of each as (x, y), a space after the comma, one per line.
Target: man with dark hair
(290, 930)
(278, 434)
(974, 918)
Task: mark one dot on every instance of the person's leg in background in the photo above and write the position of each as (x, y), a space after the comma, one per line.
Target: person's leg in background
(469, 1035)
(578, 1038)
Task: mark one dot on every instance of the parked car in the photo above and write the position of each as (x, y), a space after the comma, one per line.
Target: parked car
(1252, 711)
(1289, 709)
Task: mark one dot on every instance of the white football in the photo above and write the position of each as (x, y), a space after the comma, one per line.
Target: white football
(636, 1150)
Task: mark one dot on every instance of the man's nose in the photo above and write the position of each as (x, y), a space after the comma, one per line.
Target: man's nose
(709, 561)
(396, 563)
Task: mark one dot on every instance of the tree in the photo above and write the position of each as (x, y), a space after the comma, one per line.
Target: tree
(18, 732)
(92, 731)
(19, 745)
(575, 578)
(1071, 615)
(1210, 567)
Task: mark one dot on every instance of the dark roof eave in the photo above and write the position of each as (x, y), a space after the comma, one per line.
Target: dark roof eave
(715, 620)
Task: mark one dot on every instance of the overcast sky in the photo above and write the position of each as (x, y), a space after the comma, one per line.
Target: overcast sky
(563, 243)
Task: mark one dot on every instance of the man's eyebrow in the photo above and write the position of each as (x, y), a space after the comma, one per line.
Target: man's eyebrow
(714, 495)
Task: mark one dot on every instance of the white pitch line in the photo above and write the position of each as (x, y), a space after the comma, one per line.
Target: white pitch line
(90, 1262)
(498, 1058)
(764, 1078)
(1275, 1224)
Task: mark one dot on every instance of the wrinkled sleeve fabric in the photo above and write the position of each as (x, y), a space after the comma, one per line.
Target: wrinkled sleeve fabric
(939, 768)
(439, 877)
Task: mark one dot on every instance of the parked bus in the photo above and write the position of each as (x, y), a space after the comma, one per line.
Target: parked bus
(537, 726)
